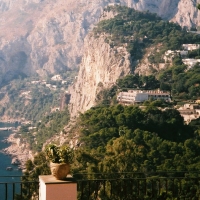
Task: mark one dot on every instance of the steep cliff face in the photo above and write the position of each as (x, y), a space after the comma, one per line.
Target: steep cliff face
(187, 15)
(165, 9)
(183, 12)
(60, 34)
(46, 36)
(101, 67)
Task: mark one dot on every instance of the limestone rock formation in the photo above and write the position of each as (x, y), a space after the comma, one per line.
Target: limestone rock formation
(101, 67)
(187, 15)
(94, 75)
(43, 37)
(46, 36)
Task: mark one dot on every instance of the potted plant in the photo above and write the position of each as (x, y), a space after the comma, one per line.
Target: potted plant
(60, 158)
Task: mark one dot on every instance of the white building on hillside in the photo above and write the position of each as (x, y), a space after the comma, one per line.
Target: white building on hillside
(190, 47)
(138, 96)
(56, 78)
(176, 52)
(190, 62)
(113, 4)
(190, 112)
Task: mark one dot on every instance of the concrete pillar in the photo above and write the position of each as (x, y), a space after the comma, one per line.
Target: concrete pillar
(53, 189)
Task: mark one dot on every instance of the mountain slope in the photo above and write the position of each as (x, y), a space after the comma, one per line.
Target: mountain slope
(100, 68)
(118, 46)
(46, 37)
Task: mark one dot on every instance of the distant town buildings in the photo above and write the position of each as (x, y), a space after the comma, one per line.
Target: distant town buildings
(176, 52)
(190, 62)
(189, 112)
(190, 47)
(139, 96)
(56, 78)
(115, 3)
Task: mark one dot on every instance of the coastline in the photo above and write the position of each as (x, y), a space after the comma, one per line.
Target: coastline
(19, 150)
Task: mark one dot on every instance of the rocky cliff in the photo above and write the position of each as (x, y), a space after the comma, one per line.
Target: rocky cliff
(187, 15)
(43, 37)
(102, 65)
(100, 68)
(46, 36)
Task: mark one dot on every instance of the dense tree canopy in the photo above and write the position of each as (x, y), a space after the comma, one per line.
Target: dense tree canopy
(49, 126)
(116, 138)
(183, 83)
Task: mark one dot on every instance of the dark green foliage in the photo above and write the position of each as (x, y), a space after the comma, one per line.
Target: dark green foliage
(142, 29)
(138, 82)
(104, 123)
(130, 81)
(48, 127)
(195, 123)
(107, 96)
(31, 98)
(183, 83)
(127, 139)
(29, 165)
(59, 154)
(194, 54)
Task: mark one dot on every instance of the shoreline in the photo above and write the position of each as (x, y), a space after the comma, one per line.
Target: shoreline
(18, 150)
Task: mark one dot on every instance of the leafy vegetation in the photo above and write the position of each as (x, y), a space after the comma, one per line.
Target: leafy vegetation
(183, 83)
(138, 82)
(120, 138)
(57, 154)
(142, 29)
(131, 81)
(49, 126)
(128, 139)
(33, 169)
(31, 98)
(194, 54)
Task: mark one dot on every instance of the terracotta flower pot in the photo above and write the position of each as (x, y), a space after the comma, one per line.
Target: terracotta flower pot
(59, 170)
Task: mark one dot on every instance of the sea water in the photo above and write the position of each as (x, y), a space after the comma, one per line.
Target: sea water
(5, 161)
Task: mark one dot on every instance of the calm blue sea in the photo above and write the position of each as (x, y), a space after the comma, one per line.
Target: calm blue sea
(5, 161)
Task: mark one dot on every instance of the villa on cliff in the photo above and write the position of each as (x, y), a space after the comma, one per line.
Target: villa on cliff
(139, 96)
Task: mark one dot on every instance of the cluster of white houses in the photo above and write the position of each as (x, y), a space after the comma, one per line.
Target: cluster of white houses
(139, 96)
(187, 111)
(184, 52)
(190, 62)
